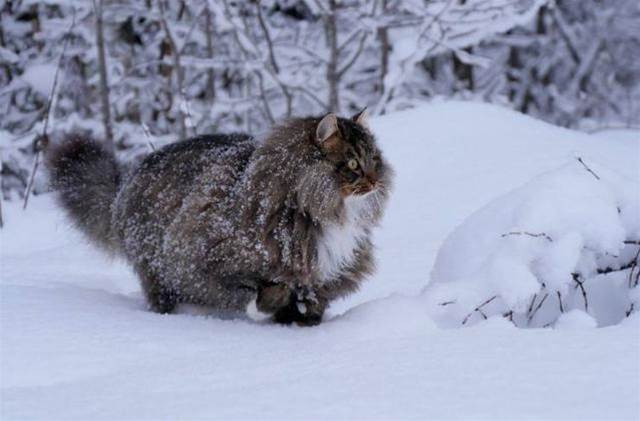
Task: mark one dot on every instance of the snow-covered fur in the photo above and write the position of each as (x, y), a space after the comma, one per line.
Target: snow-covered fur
(225, 220)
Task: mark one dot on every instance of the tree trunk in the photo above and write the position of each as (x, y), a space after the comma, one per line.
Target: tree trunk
(383, 37)
(104, 83)
(210, 90)
(178, 71)
(331, 33)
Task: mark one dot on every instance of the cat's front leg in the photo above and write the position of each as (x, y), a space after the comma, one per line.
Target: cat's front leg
(304, 309)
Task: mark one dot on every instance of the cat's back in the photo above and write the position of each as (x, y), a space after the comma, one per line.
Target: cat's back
(187, 158)
(153, 194)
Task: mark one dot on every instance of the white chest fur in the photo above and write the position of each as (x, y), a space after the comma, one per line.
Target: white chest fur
(338, 242)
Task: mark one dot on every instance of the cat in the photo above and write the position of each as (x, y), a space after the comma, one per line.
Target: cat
(274, 229)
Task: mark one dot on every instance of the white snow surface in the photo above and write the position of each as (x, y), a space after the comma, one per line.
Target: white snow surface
(76, 341)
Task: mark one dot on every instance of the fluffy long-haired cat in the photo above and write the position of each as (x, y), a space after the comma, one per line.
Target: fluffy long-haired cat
(276, 229)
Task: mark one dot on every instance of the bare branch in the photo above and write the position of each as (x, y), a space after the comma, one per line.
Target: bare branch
(533, 300)
(560, 301)
(634, 266)
(532, 315)
(147, 135)
(579, 284)
(1, 195)
(587, 168)
(509, 316)
(267, 36)
(274, 66)
(354, 57)
(263, 97)
(562, 25)
(540, 235)
(42, 141)
(311, 95)
(479, 310)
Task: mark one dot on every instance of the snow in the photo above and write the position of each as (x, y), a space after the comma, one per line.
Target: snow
(575, 319)
(573, 220)
(40, 77)
(77, 342)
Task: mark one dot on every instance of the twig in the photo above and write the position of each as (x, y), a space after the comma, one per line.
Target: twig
(345, 68)
(187, 111)
(533, 300)
(42, 142)
(274, 65)
(479, 310)
(629, 311)
(609, 269)
(147, 135)
(579, 284)
(560, 301)
(1, 198)
(587, 168)
(542, 234)
(509, 316)
(634, 265)
(446, 303)
(532, 315)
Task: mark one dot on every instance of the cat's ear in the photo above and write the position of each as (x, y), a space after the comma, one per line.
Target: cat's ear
(327, 133)
(362, 118)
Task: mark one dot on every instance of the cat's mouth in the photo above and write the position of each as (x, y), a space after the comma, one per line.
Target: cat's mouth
(361, 189)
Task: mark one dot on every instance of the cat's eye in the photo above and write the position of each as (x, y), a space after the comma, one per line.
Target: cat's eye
(352, 164)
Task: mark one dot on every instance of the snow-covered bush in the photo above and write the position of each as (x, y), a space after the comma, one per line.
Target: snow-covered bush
(567, 241)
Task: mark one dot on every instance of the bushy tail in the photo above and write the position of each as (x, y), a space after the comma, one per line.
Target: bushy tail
(86, 177)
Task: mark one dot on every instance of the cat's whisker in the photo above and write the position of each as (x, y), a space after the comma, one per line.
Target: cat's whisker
(378, 203)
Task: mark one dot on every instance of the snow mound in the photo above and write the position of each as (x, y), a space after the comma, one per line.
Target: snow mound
(568, 239)
(575, 319)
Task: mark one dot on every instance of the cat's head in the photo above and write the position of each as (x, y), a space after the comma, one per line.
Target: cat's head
(351, 148)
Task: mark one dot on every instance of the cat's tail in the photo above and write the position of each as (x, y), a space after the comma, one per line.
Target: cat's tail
(86, 177)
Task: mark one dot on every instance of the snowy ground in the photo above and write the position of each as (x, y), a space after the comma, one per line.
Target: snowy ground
(77, 342)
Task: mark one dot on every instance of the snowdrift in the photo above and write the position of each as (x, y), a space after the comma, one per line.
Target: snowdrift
(77, 343)
(568, 240)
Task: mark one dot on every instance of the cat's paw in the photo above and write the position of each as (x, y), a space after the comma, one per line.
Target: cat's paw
(273, 297)
(311, 312)
(302, 313)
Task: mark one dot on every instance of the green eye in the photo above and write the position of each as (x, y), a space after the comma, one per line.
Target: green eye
(352, 164)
